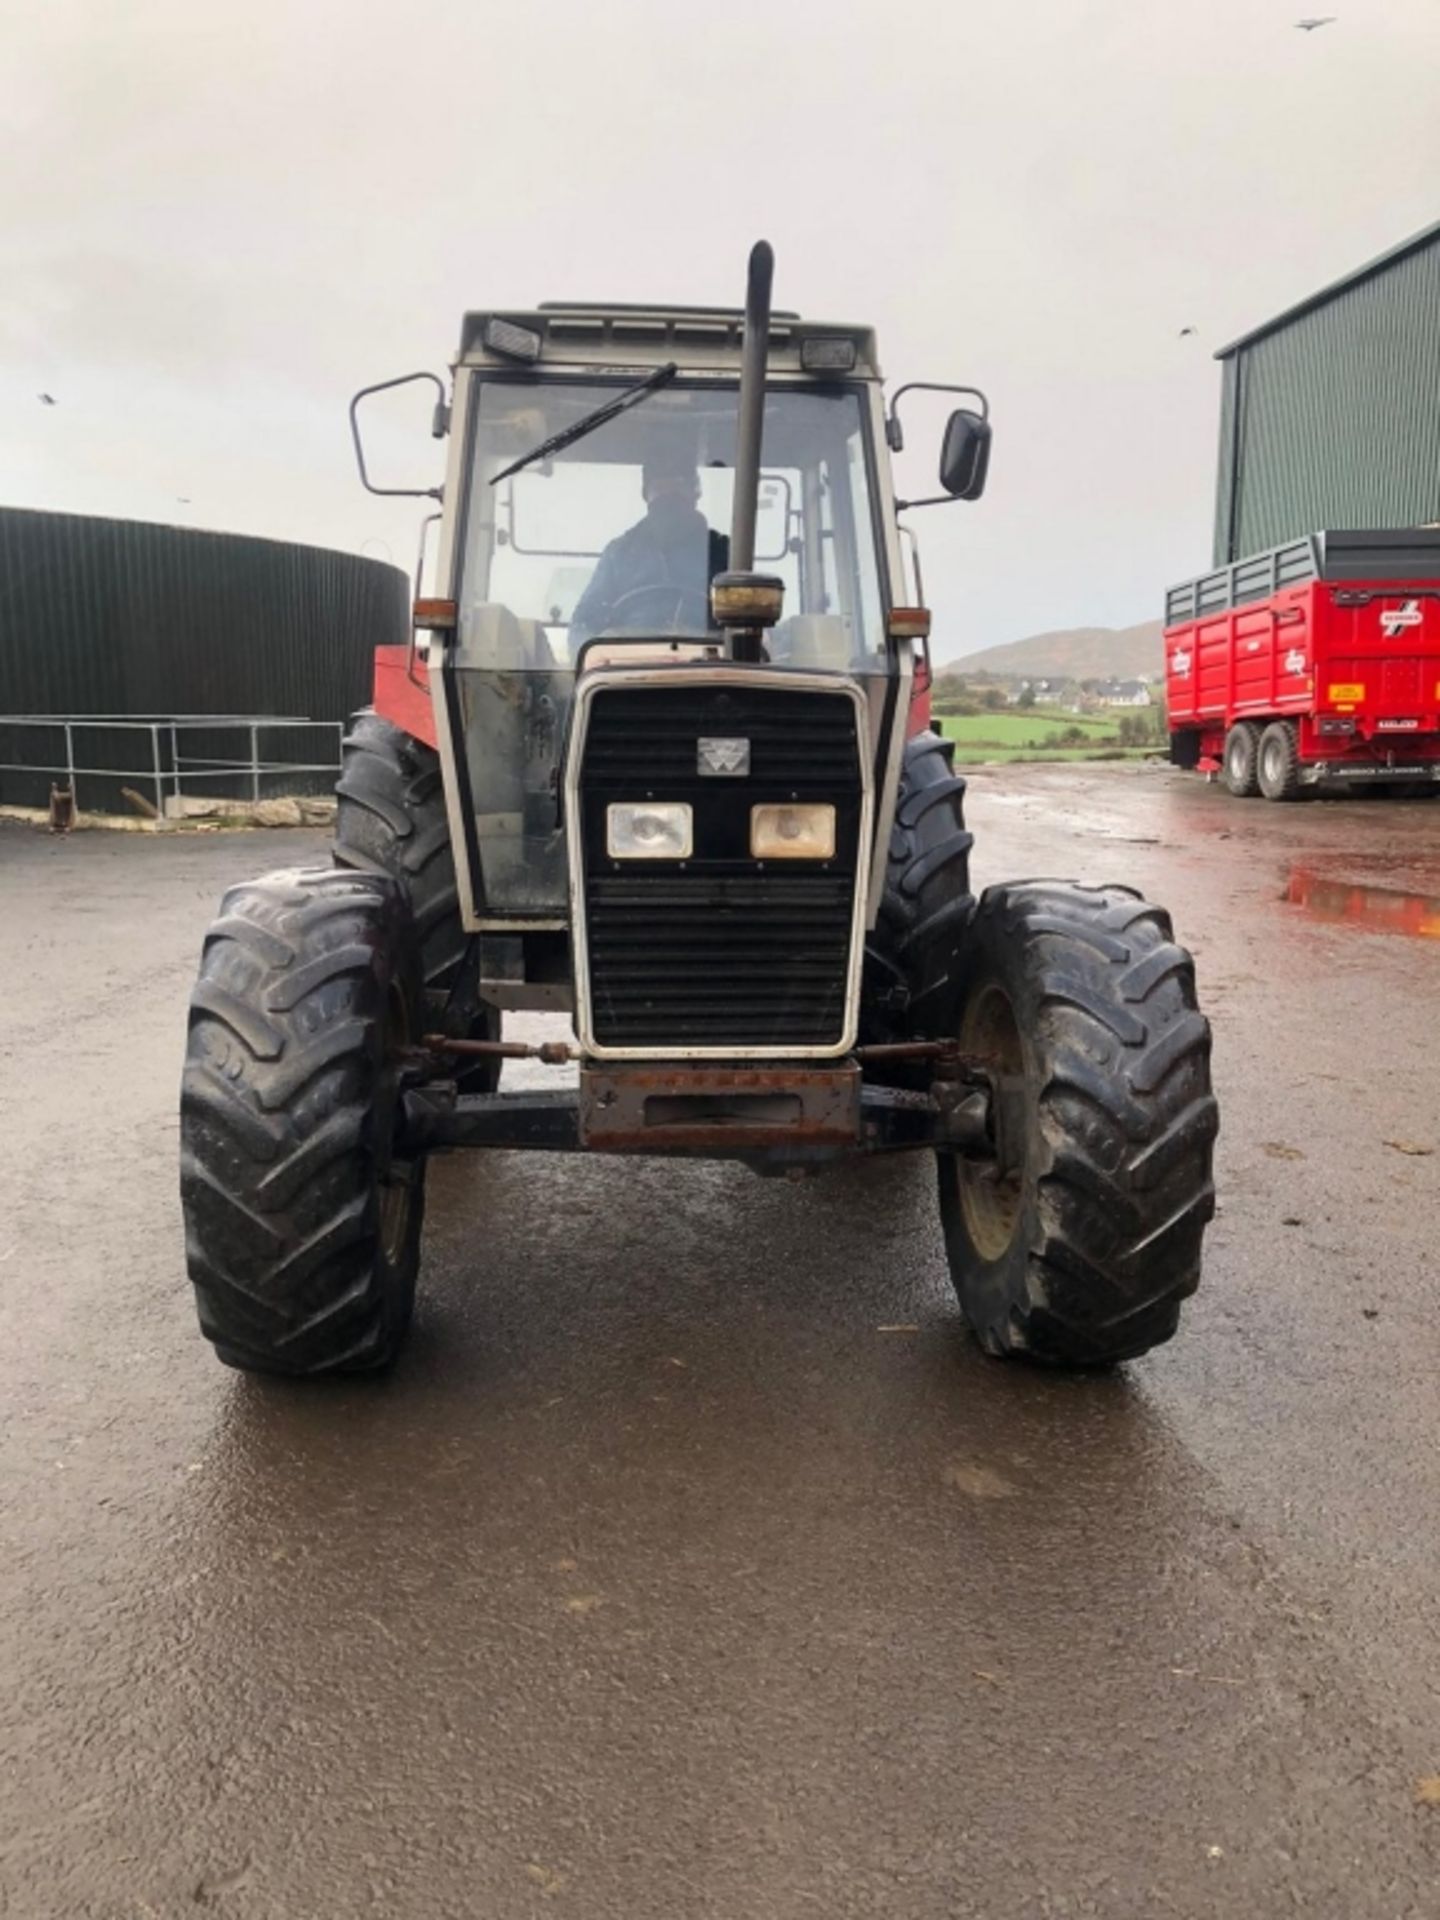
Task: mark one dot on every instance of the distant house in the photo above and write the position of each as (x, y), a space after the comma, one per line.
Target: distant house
(1052, 692)
(1123, 693)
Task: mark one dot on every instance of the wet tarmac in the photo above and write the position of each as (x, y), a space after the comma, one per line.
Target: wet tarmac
(692, 1563)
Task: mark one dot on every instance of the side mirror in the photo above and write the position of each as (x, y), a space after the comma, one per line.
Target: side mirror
(439, 427)
(965, 455)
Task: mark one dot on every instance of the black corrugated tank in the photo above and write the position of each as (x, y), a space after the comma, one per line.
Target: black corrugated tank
(126, 617)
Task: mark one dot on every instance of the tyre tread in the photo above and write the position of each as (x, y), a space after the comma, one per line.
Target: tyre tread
(1125, 1131)
(1287, 787)
(392, 819)
(926, 904)
(277, 1168)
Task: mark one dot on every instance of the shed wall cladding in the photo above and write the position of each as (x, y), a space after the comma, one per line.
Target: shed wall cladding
(123, 617)
(1337, 410)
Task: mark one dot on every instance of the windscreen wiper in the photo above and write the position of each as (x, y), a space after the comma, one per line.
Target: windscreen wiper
(587, 423)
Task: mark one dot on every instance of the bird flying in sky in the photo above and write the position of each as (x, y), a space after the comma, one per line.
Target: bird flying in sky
(46, 399)
(1323, 20)
(1185, 330)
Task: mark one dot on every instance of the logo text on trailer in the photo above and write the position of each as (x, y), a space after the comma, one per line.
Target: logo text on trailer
(1394, 620)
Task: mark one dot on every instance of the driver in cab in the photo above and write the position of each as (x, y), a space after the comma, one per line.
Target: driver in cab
(657, 574)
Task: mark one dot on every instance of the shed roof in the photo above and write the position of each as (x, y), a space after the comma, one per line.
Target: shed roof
(1353, 278)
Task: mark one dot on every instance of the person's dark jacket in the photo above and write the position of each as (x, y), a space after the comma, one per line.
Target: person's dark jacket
(664, 550)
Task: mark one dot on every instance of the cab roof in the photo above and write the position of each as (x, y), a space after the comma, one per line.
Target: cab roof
(700, 339)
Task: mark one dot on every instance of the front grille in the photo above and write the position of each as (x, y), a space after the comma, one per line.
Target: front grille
(720, 951)
(797, 740)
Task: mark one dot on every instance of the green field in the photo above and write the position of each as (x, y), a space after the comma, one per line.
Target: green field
(976, 756)
(1008, 735)
(1011, 729)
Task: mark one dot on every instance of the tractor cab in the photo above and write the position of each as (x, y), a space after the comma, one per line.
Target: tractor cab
(601, 553)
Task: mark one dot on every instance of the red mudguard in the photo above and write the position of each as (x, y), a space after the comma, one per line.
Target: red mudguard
(919, 717)
(402, 693)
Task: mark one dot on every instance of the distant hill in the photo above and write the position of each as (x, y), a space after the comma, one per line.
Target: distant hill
(1076, 653)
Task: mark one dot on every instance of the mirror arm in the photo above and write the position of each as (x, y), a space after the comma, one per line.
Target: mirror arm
(895, 433)
(439, 426)
(935, 500)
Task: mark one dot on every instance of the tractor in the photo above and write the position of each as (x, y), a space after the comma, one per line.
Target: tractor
(658, 757)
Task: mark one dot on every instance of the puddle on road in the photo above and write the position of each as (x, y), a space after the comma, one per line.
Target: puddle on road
(1382, 909)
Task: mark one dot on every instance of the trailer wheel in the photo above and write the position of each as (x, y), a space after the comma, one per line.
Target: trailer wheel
(1241, 760)
(1076, 1245)
(1279, 761)
(302, 1222)
(391, 818)
(926, 904)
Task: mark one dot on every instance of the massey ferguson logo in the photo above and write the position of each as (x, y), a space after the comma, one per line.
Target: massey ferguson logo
(1394, 620)
(730, 757)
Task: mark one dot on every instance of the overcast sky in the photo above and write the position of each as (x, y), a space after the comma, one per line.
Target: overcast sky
(218, 219)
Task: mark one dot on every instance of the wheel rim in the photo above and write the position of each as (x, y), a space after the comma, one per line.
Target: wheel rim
(1274, 762)
(991, 1199)
(395, 1204)
(395, 1182)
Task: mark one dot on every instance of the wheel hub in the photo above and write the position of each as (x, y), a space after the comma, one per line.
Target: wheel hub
(992, 1190)
(394, 1175)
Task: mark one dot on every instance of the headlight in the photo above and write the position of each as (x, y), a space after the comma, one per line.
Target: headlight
(650, 830)
(792, 833)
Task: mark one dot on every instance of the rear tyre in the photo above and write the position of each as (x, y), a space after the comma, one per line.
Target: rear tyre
(1240, 770)
(1076, 1246)
(302, 1223)
(1279, 761)
(391, 818)
(909, 975)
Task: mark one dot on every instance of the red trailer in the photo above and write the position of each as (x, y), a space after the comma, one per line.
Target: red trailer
(1317, 661)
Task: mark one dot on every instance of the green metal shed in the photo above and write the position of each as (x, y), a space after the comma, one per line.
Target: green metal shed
(1330, 413)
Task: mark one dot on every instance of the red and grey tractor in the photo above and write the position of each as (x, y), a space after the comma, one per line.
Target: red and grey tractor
(658, 760)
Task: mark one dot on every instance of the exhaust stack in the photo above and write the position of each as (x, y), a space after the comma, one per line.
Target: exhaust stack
(742, 600)
(752, 408)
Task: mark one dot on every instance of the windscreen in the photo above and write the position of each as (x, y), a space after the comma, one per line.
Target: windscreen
(621, 531)
(618, 536)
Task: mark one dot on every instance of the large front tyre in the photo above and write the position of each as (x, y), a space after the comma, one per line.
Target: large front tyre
(391, 818)
(302, 1221)
(926, 903)
(1076, 1245)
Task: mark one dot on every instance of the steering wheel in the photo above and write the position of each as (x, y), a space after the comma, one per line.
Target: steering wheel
(683, 602)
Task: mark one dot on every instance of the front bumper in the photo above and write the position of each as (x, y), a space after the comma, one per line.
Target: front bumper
(773, 1120)
(663, 1109)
